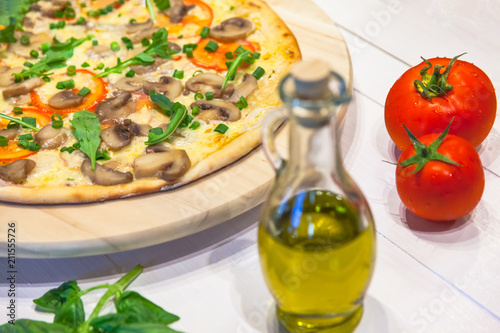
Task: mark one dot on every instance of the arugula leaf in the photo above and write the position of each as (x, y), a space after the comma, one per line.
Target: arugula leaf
(53, 299)
(34, 326)
(7, 34)
(87, 131)
(55, 57)
(158, 47)
(177, 113)
(15, 9)
(243, 56)
(162, 4)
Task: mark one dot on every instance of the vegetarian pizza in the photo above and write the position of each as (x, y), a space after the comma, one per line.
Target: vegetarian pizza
(107, 99)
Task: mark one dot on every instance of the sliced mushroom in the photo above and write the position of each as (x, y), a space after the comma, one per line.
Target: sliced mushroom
(168, 165)
(9, 133)
(157, 148)
(35, 43)
(18, 171)
(99, 51)
(129, 84)
(137, 129)
(105, 176)
(139, 69)
(232, 29)
(48, 8)
(209, 82)
(65, 99)
(116, 137)
(49, 137)
(168, 86)
(217, 110)
(6, 77)
(132, 28)
(245, 88)
(22, 88)
(115, 109)
(177, 10)
(140, 35)
(174, 47)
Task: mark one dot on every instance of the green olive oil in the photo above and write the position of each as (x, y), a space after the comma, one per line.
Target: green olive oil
(317, 255)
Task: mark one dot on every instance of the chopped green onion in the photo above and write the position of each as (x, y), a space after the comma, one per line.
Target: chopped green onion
(80, 20)
(204, 32)
(85, 65)
(28, 136)
(58, 13)
(189, 46)
(189, 53)
(25, 40)
(57, 121)
(198, 96)
(84, 92)
(95, 42)
(243, 103)
(178, 74)
(115, 47)
(197, 72)
(211, 46)
(28, 64)
(132, 21)
(18, 110)
(229, 55)
(34, 53)
(71, 70)
(258, 72)
(45, 47)
(128, 43)
(186, 121)
(12, 124)
(130, 73)
(100, 66)
(221, 128)
(69, 12)
(256, 55)
(83, 4)
(33, 146)
(180, 36)
(23, 144)
(68, 84)
(196, 110)
(30, 122)
(209, 96)
(231, 8)
(3, 141)
(145, 42)
(46, 78)
(194, 125)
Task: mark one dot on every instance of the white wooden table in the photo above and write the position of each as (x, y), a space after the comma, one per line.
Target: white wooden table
(429, 277)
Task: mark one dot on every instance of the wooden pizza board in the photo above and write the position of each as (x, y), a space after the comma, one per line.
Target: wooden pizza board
(54, 231)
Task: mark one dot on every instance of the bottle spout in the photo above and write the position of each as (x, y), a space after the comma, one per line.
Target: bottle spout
(311, 79)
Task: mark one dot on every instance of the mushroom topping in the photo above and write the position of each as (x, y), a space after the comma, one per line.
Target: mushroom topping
(137, 129)
(157, 148)
(139, 69)
(209, 82)
(48, 8)
(115, 109)
(245, 88)
(129, 84)
(167, 85)
(132, 28)
(105, 176)
(174, 47)
(22, 88)
(140, 35)
(99, 51)
(217, 110)
(6, 77)
(65, 99)
(50, 138)
(177, 10)
(232, 29)
(17, 172)
(116, 137)
(168, 165)
(9, 133)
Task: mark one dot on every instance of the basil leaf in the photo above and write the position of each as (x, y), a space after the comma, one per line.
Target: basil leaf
(53, 299)
(87, 131)
(71, 313)
(142, 310)
(34, 326)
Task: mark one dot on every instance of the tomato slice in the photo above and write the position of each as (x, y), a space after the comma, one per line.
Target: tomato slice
(98, 87)
(12, 151)
(203, 18)
(217, 60)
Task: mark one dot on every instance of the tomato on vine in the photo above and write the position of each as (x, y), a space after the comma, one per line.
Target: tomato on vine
(426, 97)
(440, 176)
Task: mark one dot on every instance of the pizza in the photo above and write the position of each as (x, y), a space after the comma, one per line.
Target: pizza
(109, 99)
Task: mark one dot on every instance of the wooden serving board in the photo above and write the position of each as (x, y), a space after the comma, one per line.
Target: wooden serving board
(54, 231)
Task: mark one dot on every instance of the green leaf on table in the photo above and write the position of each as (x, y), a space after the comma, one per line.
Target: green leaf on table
(53, 299)
(87, 131)
(34, 326)
(141, 310)
(71, 313)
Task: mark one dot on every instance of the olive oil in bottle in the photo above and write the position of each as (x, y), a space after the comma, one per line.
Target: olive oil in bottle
(316, 235)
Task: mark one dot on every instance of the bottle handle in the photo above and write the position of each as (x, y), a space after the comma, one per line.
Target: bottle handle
(268, 128)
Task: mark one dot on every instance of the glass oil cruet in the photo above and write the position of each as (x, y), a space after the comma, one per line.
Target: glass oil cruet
(316, 235)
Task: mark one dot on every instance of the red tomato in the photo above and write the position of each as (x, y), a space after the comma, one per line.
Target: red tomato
(442, 191)
(471, 101)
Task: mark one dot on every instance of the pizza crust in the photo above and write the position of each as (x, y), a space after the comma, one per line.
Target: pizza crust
(288, 52)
